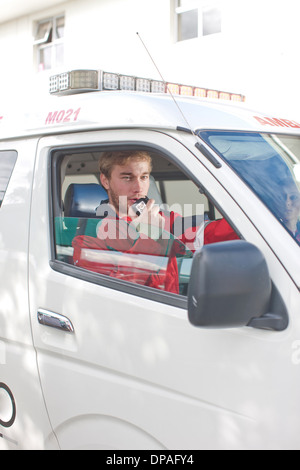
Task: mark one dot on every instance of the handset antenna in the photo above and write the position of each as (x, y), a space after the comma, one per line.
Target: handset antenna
(162, 78)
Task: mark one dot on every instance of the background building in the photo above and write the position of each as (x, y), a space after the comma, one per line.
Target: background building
(242, 46)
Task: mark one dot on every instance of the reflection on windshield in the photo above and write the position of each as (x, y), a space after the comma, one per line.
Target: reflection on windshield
(270, 165)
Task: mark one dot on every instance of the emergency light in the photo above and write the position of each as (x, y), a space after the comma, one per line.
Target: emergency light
(80, 81)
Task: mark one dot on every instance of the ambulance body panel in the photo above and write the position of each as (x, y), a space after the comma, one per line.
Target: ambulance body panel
(80, 112)
(88, 361)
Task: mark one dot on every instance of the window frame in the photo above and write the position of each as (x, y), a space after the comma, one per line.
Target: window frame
(54, 185)
(201, 6)
(56, 155)
(43, 43)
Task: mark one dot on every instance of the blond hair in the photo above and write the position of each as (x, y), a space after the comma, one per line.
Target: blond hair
(109, 159)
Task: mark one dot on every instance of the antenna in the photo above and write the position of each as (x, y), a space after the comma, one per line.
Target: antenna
(199, 146)
(162, 78)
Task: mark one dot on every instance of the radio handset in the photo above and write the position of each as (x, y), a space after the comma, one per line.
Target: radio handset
(140, 205)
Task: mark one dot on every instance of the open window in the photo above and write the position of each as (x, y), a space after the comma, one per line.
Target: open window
(90, 239)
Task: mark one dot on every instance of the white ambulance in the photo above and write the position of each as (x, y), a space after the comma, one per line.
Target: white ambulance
(89, 360)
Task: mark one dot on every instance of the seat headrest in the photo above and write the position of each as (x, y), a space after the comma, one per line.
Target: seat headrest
(82, 200)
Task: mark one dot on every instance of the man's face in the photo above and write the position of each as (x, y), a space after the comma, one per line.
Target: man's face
(292, 204)
(127, 184)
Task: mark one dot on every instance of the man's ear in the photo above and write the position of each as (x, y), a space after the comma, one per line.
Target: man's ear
(104, 181)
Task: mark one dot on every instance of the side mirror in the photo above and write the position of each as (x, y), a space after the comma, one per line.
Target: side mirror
(230, 287)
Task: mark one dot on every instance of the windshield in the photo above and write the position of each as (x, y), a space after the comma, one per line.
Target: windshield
(270, 165)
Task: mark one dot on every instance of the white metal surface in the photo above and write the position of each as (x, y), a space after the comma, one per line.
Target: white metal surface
(113, 109)
(18, 368)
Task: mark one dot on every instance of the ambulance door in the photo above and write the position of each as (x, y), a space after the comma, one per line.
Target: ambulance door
(24, 423)
(121, 366)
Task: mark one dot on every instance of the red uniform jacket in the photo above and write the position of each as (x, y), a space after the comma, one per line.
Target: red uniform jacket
(121, 252)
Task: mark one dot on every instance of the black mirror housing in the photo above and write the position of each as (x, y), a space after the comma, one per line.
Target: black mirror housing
(230, 286)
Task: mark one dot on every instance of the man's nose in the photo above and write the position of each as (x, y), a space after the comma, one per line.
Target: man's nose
(138, 185)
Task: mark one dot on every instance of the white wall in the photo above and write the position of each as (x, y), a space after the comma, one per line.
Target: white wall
(111, 42)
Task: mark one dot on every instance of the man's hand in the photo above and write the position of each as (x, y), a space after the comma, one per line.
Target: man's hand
(150, 222)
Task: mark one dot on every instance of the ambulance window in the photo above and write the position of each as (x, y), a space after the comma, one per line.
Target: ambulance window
(270, 165)
(150, 249)
(7, 163)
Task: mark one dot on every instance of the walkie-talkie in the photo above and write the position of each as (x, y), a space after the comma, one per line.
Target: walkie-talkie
(140, 205)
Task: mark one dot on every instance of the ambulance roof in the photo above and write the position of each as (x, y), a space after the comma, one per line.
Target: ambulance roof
(123, 109)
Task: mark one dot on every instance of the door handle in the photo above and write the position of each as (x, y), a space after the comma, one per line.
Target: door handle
(55, 320)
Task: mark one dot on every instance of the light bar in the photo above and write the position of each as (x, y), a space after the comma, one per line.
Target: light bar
(186, 90)
(173, 88)
(200, 92)
(158, 87)
(142, 84)
(110, 81)
(79, 81)
(127, 83)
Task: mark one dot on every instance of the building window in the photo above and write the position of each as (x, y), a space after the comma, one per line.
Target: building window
(211, 20)
(197, 18)
(49, 42)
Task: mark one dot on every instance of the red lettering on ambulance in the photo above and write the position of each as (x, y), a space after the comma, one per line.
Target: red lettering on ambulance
(266, 121)
(51, 118)
(76, 114)
(293, 124)
(68, 115)
(277, 122)
(60, 116)
(262, 121)
(57, 117)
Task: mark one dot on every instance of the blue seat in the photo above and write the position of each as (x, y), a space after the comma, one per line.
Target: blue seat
(82, 200)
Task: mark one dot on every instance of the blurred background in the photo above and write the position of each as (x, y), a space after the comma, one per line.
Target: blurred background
(246, 47)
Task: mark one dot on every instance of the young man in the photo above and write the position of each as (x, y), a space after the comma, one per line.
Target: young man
(290, 207)
(138, 247)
